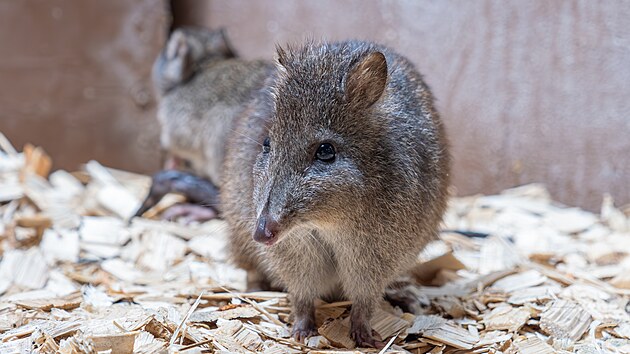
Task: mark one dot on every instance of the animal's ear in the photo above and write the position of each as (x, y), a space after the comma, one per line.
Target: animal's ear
(281, 62)
(173, 66)
(177, 46)
(366, 81)
(281, 56)
(219, 43)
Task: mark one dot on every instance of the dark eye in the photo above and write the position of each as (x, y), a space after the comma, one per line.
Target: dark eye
(325, 152)
(266, 145)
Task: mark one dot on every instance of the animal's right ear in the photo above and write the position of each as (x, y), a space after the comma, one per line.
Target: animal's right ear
(219, 43)
(366, 81)
(177, 46)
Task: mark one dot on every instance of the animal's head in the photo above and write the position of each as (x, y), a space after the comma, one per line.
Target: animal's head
(324, 140)
(185, 49)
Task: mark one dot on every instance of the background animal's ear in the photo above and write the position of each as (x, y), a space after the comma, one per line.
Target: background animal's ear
(177, 46)
(173, 66)
(220, 44)
(366, 81)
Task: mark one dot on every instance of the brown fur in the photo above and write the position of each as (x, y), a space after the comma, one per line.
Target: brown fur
(347, 227)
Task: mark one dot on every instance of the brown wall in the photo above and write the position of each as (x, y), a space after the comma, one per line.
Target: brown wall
(530, 90)
(75, 79)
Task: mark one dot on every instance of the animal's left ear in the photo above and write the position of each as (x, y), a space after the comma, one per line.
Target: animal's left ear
(366, 81)
(177, 47)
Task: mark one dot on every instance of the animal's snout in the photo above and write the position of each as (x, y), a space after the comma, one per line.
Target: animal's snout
(267, 229)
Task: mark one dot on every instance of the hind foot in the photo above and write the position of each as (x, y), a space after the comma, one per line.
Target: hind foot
(190, 213)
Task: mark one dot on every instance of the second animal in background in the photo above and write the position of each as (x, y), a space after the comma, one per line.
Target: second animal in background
(202, 86)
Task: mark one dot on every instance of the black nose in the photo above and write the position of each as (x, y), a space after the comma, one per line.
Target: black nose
(266, 230)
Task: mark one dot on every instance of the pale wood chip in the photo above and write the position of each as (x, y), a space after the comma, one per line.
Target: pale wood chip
(160, 250)
(386, 324)
(60, 246)
(25, 268)
(452, 335)
(422, 323)
(621, 281)
(255, 295)
(10, 191)
(103, 230)
(506, 318)
(443, 331)
(278, 348)
(117, 343)
(491, 337)
(520, 281)
(36, 161)
(212, 316)
(212, 246)
(533, 294)
(121, 269)
(614, 217)
(425, 272)
(533, 345)
(569, 220)
(65, 183)
(325, 313)
(249, 339)
(318, 342)
(338, 333)
(69, 302)
(565, 319)
(183, 231)
(18, 346)
(622, 330)
(487, 279)
(76, 344)
(44, 343)
(496, 255)
(118, 200)
(225, 336)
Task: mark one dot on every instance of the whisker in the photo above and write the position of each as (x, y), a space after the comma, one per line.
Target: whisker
(320, 244)
(246, 136)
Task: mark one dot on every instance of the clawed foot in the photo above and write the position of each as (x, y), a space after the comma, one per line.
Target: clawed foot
(302, 329)
(190, 213)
